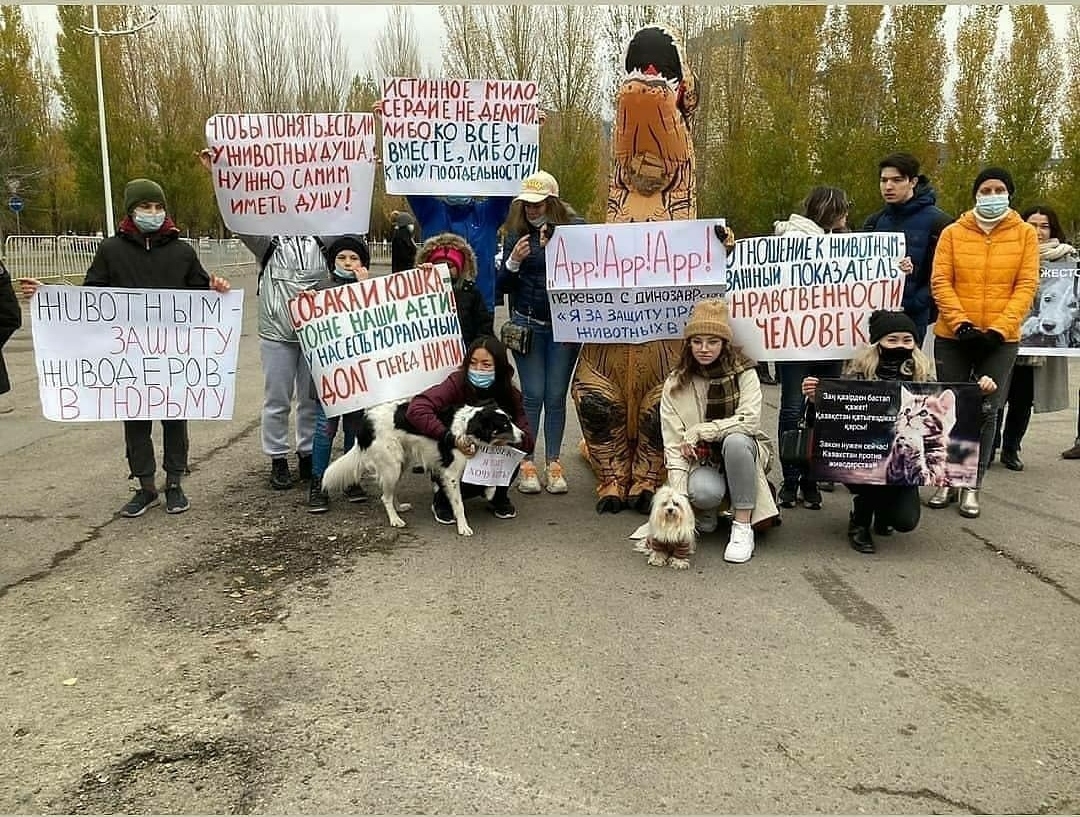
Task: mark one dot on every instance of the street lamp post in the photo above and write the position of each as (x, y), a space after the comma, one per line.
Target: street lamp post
(97, 33)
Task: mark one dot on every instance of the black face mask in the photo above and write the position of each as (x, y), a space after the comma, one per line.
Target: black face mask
(896, 355)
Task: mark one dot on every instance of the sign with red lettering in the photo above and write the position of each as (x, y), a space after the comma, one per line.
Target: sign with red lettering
(293, 174)
(136, 354)
(462, 137)
(380, 339)
(808, 297)
(631, 283)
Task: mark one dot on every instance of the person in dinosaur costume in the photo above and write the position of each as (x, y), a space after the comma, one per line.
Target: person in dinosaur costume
(617, 387)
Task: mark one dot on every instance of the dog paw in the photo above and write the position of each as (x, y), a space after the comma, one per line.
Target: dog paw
(404, 506)
(464, 530)
(679, 564)
(397, 523)
(657, 559)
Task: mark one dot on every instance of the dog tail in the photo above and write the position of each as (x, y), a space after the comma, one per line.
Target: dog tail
(344, 471)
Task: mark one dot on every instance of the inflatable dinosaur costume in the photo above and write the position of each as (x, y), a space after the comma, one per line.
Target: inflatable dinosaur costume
(617, 387)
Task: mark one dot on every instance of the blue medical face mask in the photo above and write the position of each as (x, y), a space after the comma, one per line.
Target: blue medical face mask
(992, 206)
(481, 380)
(148, 222)
(344, 274)
(458, 201)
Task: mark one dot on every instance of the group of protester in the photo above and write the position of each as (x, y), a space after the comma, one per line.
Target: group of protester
(973, 280)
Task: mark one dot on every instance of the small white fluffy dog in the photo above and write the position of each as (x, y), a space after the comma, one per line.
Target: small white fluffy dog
(669, 537)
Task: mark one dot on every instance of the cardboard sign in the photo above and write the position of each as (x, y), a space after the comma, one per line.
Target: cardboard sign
(631, 283)
(808, 297)
(886, 432)
(1052, 327)
(378, 340)
(293, 174)
(492, 465)
(459, 136)
(136, 354)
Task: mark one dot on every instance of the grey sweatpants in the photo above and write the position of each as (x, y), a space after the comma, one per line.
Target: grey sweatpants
(285, 375)
(707, 486)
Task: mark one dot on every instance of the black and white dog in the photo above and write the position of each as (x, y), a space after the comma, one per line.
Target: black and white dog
(387, 443)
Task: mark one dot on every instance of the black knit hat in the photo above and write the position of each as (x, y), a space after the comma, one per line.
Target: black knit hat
(999, 173)
(348, 242)
(139, 190)
(884, 322)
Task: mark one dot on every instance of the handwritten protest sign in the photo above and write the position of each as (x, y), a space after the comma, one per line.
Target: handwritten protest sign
(492, 465)
(378, 340)
(293, 174)
(136, 354)
(459, 136)
(808, 297)
(1053, 326)
(884, 432)
(631, 283)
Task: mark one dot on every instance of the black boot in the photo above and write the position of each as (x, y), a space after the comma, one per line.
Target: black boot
(280, 478)
(317, 499)
(303, 467)
(643, 502)
(859, 526)
(1010, 458)
(609, 504)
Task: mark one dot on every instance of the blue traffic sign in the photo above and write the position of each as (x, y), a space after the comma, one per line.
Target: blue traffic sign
(16, 204)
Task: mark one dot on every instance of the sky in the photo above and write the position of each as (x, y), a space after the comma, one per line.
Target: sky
(357, 24)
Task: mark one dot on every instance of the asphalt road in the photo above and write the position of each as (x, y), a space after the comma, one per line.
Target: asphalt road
(249, 657)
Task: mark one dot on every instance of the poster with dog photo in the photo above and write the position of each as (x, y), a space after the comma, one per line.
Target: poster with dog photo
(1053, 326)
(885, 432)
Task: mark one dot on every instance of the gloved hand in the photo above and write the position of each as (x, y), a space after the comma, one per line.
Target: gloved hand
(992, 339)
(967, 333)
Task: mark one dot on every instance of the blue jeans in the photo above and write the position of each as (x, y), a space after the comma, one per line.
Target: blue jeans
(545, 374)
(791, 377)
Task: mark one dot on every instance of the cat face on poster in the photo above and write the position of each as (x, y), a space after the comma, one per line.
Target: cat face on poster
(920, 446)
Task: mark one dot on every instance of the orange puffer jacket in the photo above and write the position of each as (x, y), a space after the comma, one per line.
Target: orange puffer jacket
(988, 280)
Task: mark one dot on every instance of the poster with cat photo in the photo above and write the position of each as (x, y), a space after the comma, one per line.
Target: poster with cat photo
(1052, 328)
(885, 432)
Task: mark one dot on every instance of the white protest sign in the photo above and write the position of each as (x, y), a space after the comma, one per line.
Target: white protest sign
(294, 173)
(447, 137)
(136, 354)
(631, 283)
(808, 297)
(492, 465)
(379, 340)
(1053, 326)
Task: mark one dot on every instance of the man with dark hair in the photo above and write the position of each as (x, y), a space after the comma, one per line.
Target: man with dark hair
(911, 208)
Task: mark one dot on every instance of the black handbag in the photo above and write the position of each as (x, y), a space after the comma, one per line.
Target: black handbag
(516, 338)
(796, 444)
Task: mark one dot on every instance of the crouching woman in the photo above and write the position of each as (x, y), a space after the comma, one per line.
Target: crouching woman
(485, 378)
(710, 416)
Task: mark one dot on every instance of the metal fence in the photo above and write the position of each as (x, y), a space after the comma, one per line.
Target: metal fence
(65, 258)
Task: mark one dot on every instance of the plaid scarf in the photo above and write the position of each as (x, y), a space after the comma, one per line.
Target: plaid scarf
(722, 397)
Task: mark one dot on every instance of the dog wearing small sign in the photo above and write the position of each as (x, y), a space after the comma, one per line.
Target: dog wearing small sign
(386, 442)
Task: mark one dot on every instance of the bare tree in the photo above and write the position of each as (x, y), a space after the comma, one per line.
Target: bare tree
(469, 47)
(397, 50)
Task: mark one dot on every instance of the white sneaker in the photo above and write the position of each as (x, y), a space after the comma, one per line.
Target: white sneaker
(706, 521)
(556, 482)
(529, 479)
(740, 546)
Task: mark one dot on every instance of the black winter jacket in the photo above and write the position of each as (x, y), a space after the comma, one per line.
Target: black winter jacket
(473, 314)
(10, 321)
(153, 261)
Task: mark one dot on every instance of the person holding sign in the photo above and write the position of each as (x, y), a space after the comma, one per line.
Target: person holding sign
(10, 321)
(986, 273)
(710, 418)
(348, 259)
(288, 265)
(546, 367)
(146, 253)
(1038, 382)
(824, 210)
(485, 376)
(892, 355)
(454, 251)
